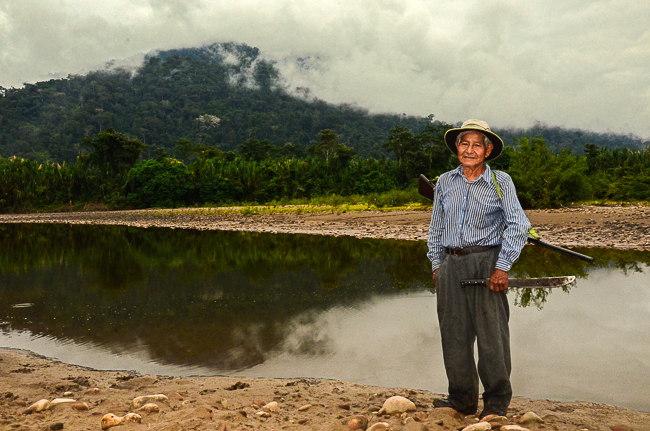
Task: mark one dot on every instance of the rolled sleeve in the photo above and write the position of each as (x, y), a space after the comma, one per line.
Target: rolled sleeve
(517, 226)
(434, 241)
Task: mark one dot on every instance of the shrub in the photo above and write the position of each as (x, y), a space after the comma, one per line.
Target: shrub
(165, 183)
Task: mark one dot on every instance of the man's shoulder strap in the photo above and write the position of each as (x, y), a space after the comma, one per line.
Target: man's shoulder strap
(496, 184)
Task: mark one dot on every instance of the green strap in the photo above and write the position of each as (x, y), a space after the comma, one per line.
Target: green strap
(496, 184)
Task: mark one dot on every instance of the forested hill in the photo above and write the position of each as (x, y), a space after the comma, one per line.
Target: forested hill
(222, 95)
(558, 138)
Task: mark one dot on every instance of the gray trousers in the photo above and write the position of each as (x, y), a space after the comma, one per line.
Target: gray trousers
(472, 314)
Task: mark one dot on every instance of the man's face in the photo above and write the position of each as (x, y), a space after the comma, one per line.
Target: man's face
(471, 151)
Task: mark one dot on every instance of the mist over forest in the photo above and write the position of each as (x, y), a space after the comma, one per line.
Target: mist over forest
(221, 95)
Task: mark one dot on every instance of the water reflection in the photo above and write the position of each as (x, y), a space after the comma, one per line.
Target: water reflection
(173, 290)
(194, 302)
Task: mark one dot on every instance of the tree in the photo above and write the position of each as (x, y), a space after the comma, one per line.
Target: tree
(408, 151)
(344, 155)
(188, 151)
(265, 74)
(433, 144)
(164, 182)
(291, 150)
(257, 150)
(544, 180)
(327, 145)
(114, 153)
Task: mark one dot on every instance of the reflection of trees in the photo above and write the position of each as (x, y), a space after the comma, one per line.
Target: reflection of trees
(221, 299)
(542, 262)
(118, 257)
(217, 298)
(535, 297)
(409, 265)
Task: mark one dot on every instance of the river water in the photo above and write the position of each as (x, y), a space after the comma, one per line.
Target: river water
(183, 302)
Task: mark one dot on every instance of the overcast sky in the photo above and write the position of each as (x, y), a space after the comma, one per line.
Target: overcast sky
(570, 63)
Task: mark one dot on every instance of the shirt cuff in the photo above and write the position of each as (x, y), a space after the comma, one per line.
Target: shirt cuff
(503, 265)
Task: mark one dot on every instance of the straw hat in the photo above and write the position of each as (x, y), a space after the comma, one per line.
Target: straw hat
(478, 126)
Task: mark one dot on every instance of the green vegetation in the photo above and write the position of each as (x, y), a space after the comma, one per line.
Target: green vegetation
(214, 126)
(331, 174)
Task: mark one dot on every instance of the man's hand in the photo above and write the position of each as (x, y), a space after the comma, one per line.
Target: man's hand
(434, 277)
(498, 280)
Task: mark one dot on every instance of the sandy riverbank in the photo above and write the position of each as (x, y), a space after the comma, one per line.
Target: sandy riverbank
(218, 403)
(621, 227)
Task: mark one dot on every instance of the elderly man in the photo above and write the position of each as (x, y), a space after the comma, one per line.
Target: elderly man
(478, 229)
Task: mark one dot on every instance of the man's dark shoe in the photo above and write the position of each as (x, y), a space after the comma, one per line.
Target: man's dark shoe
(441, 402)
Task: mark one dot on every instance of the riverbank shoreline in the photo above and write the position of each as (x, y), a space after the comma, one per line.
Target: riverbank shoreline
(618, 227)
(229, 403)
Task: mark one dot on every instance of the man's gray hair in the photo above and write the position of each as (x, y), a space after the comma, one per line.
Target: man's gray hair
(486, 140)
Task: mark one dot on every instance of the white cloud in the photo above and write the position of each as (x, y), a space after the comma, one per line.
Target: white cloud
(569, 63)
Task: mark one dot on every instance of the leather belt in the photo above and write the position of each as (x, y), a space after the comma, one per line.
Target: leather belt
(468, 250)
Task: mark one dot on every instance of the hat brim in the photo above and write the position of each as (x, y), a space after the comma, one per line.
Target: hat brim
(497, 143)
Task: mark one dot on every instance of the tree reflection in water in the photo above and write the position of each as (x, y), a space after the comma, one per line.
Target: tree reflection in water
(212, 298)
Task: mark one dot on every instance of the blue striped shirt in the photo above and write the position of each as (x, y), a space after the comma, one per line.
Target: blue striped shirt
(472, 214)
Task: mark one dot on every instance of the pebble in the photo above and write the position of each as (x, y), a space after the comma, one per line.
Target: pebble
(415, 426)
(530, 417)
(305, 407)
(149, 408)
(513, 428)
(67, 394)
(379, 426)
(141, 401)
(38, 406)
(55, 402)
(480, 426)
(80, 406)
(271, 407)
(93, 391)
(496, 421)
(358, 423)
(397, 404)
(56, 426)
(110, 420)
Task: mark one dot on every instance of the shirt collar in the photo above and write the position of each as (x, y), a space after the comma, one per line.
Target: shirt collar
(486, 176)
